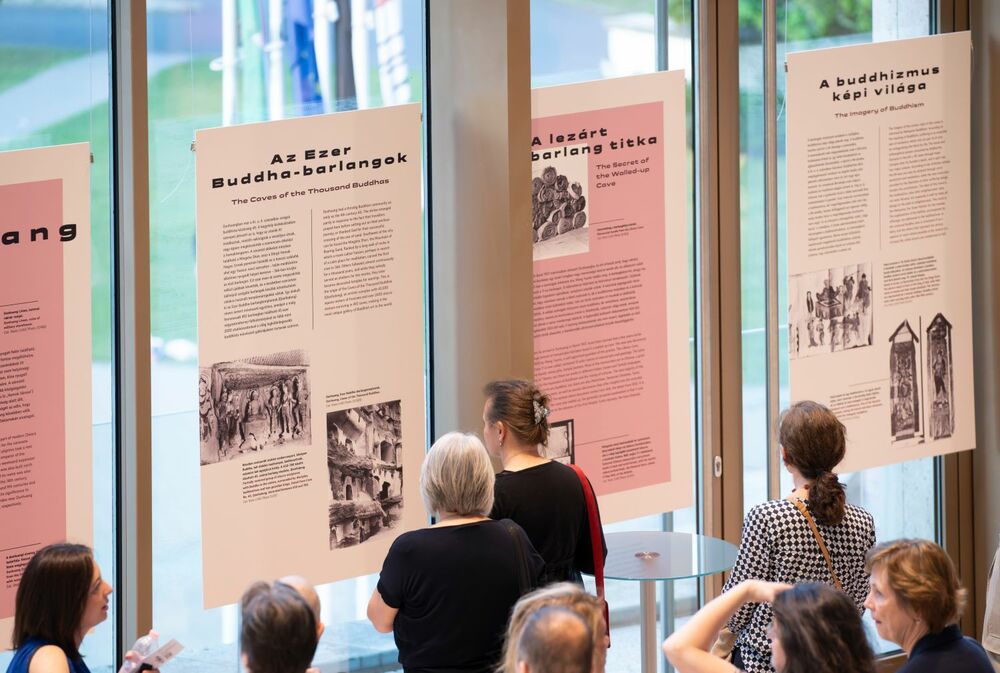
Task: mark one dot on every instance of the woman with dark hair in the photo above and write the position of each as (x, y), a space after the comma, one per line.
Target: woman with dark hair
(542, 496)
(816, 629)
(60, 597)
(811, 536)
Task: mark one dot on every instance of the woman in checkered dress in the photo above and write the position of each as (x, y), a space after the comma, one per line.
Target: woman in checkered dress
(778, 544)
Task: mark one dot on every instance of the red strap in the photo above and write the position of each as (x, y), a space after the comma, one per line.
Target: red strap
(595, 533)
(595, 545)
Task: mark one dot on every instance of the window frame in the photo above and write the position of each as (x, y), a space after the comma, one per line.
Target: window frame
(718, 395)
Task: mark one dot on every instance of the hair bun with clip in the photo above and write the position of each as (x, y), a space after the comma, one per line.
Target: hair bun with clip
(540, 411)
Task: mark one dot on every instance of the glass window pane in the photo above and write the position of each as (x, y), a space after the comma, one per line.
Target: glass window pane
(214, 64)
(616, 38)
(802, 25)
(64, 47)
(609, 38)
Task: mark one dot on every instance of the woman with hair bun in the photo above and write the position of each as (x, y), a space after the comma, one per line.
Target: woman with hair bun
(541, 495)
(814, 535)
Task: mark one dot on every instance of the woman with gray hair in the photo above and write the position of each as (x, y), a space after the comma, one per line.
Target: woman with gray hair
(446, 591)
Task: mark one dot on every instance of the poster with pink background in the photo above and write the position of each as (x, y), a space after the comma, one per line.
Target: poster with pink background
(608, 224)
(45, 359)
(32, 426)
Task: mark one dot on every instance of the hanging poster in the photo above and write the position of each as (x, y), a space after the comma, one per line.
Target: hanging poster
(311, 333)
(879, 252)
(611, 324)
(45, 412)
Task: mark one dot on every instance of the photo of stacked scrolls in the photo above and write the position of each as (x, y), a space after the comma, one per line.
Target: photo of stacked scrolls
(556, 205)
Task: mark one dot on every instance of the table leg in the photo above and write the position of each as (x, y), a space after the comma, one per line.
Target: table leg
(647, 625)
(667, 617)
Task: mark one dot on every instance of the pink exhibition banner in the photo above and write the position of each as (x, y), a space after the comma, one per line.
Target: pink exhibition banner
(32, 424)
(610, 289)
(45, 410)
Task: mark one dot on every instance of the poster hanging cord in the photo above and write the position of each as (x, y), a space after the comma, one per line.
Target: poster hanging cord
(90, 73)
(784, 56)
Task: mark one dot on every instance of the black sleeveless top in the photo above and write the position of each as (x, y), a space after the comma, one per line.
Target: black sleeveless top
(547, 502)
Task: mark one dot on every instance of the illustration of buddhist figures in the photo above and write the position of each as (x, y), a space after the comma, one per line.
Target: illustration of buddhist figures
(243, 404)
(904, 388)
(939, 371)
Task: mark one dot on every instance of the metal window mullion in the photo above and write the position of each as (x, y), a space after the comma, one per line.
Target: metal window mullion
(706, 260)
(709, 282)
(133, 529)
(662, 21)
(955, 502)
(428, 220)
(770, 27)
(719, 323)
(667, 613)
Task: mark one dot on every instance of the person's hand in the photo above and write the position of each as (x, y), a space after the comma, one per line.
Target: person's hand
(133, 660)
(758, 591)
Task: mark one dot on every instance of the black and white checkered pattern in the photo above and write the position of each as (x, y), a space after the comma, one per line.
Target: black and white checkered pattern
(779, 546)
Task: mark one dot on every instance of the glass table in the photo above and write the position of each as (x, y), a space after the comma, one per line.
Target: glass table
(650, 556)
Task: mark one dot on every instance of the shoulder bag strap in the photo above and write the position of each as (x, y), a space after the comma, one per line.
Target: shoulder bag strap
(819, 539)
(524, 581)
(595, 544)
(595, 533)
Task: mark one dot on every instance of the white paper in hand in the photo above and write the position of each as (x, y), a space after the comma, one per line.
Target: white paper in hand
(164, 654)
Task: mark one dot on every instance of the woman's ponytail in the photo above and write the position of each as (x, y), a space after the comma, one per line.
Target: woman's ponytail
(827, 499)
(815, 442)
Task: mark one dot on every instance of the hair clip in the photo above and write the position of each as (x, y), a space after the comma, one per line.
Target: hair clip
(540, 411)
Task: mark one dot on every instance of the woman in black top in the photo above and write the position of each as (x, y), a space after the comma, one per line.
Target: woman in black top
(543, 496)
(916, 601)
(446, 591)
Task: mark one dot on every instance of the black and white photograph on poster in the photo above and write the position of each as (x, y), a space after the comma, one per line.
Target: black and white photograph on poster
(254, 404)
(904, 384)
(364, 455)
(830, 310)
(560, 447)
(559, 207)
(940, 369)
